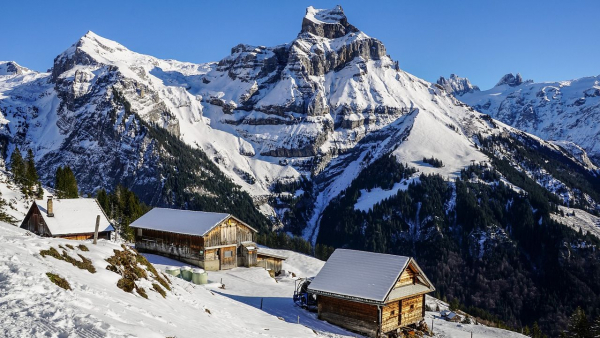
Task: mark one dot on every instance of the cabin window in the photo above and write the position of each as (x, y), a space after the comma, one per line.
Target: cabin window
(140, 232)
(393, 312)
(201, 252)
(412, 306)
(228, 254)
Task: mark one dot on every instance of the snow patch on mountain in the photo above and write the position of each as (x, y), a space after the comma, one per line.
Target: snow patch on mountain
(578, 219)
(368, 198)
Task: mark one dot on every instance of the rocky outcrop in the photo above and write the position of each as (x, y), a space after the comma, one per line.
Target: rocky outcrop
(511, 80)
(456, 85)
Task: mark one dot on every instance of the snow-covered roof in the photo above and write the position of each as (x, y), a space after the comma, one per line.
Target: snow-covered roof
(361, 275)
(74, 216)
(261, 252)
(187, 222)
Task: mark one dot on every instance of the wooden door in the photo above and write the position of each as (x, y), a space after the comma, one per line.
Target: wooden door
(228, 258)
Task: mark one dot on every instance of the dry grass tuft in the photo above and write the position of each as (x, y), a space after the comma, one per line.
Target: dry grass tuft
(130, 265)
(84, 264)
(58, 280)
(160, 290)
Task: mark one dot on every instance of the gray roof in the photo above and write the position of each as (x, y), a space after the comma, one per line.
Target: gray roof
(186, 222)
(361, 275)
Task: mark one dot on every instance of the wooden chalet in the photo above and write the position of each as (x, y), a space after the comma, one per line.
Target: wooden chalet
(213, 241)
(67, 218)
(371, 293)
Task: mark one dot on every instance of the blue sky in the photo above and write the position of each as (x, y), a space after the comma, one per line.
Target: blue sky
(482, 40)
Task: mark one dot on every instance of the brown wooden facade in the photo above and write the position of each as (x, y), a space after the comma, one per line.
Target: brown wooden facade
(270, 262)
(218, 249)
(376, 319)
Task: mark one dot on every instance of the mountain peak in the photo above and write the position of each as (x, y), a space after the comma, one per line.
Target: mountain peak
(327, 23)
(90, 49)
(12, 68)
(456, 85)
(511, 80)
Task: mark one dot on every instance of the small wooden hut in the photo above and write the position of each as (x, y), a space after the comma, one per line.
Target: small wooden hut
(67, 218)
(213, 241)
(371, 293)
(270, 261)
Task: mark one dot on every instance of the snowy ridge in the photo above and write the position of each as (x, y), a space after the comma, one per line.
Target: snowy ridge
(563, 111)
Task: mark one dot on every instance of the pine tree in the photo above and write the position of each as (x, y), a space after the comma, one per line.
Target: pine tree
(536, 332)
(17, 166)
(31, 175)
(65, 183)
(579, 325)
(102, 198)
(39, 194)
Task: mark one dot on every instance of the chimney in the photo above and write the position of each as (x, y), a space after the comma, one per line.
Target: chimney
(50, 209)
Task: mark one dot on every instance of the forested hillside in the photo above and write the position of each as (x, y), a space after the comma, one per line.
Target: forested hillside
(486, 239)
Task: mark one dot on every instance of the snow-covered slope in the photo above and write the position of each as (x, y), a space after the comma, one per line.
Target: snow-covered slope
(579, 220)
(32, 306)
(565, 111)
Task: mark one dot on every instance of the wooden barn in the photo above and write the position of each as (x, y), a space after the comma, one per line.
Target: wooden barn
(213, 241)
(67, 218)
(371, 293)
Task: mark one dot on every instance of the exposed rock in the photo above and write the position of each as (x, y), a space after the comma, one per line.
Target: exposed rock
(456, 85)
(511, 80)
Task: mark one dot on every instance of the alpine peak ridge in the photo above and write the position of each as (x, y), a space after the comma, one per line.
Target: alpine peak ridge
(327, 23)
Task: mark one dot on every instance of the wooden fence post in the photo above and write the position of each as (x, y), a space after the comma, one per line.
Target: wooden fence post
(96, 231)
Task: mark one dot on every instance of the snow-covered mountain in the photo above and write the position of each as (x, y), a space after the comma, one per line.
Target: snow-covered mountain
(565, 112)
(323, 106)
(305, 131)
